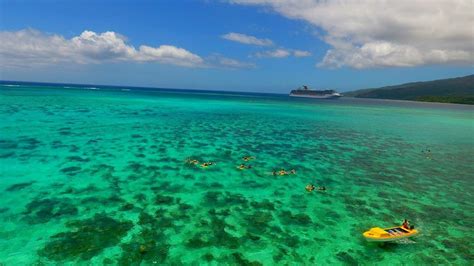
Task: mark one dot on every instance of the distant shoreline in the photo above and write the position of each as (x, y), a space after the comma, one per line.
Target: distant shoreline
(458, 90)
(407, 101)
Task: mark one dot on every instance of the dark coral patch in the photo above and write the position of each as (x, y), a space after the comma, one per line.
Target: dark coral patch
(346, 258)
(140, 197)
(8, 144)
(44, 210)
(208, 257)
(241, 260)
(86, 239)
(102, 169)
(19, 186)
(259, 222)
(288, 218)
(150, 244)
(214, 234)
(219, 199)
(4, 155)
(77, 159)
(265, 204)
(127, 207)
(164, 200)
(28, 143)
(72, 170)
(199, 240)
(151, 251)
(255, 184)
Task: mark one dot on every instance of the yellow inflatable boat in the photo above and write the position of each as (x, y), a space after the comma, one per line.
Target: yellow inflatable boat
(389, 234)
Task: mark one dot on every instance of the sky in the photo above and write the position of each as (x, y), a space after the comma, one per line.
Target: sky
(236, 45)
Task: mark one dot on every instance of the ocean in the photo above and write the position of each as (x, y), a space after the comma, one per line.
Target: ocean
(93, 175)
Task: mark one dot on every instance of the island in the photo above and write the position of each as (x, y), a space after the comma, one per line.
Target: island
(454, 90)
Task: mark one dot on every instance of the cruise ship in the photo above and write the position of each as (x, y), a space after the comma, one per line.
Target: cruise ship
(304, 91)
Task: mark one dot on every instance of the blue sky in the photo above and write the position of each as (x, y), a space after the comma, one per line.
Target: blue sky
(273, 46)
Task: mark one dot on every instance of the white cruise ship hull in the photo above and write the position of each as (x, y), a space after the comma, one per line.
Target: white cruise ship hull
(327, 96)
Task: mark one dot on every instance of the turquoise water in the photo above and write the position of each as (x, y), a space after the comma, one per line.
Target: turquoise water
(99, 176)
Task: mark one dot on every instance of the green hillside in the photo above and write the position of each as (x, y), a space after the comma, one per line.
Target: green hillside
(453, 90)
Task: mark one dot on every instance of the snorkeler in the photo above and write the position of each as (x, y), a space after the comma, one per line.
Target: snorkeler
(310, 187)
(243, 166)
(248, 158)
(207, 164)
(322, 188)
(282, 172)
(293, 171)
(192, 161)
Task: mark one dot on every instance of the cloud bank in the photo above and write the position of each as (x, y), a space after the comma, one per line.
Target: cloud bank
(282, 53)
(32, 48)
(402, 33)
(275, 53)
(246, 39)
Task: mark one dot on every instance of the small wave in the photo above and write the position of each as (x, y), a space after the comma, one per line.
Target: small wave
(91, 88)
(125, 89)
(10, 85)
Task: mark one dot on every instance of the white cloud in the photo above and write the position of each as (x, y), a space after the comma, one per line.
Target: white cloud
(30, 47)
(247, 39)
(300, 53)
(277, 53)
(368, 33)
(282, 53)
(220, 61)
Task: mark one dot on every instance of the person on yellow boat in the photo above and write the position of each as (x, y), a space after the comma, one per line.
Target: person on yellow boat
(406, 224)
(282, 172)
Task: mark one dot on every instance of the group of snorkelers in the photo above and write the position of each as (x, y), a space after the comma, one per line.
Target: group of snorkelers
(281, 172)
(245, 159)
(311, 187)
(196, 162)
(207, 164)
(242, 166)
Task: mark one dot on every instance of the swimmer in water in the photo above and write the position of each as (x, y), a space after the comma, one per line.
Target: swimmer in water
(192, 161)
(243, 166)
(248, 158)
(207, 164)
(310, 187)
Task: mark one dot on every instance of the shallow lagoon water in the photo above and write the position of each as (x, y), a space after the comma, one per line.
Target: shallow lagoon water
(100, 177)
